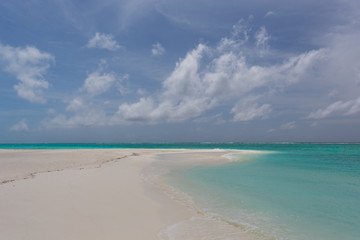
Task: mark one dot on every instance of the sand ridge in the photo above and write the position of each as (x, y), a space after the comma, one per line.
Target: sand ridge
(90, 194)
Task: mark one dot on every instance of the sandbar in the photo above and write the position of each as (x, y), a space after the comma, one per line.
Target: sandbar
(101, 194)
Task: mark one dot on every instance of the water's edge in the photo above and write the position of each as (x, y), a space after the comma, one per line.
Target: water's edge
(202, 225)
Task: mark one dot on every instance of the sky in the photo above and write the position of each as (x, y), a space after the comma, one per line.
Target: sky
(179, 71)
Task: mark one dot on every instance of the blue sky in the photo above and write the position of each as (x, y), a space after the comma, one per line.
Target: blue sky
(179, 71)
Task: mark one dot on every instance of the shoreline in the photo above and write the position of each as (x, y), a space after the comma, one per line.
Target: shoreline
(102, 193)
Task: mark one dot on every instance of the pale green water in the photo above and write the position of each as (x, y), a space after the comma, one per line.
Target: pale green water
(299, 191)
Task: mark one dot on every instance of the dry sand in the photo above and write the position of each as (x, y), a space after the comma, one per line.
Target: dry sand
(93, 194)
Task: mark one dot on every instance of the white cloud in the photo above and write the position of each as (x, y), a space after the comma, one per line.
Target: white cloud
(248, 109)
(137, 112)
(179, 100)
(212, 76)
(262, 37)
(288, 125)
(81, 110)
(28, 65)
(157, 49)
(75, 105)
(103, 41)
(239, 36)
(90, 117)
(270, 13)
(21, 126)
(343, 108)
(100, 81)
(208, 77)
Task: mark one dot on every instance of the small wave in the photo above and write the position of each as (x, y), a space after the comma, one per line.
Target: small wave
(202, 227)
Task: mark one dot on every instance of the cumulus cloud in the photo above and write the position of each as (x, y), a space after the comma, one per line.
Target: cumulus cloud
(342, 108)
(232, 75)
(181, 98)
(29, 66)
(103, 41)
(157, 49)
(20, 126)
(212, 76)
(81, 109)
(100, 81)
(137, 112)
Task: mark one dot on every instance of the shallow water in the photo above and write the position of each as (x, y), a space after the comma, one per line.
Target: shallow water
(295, 191)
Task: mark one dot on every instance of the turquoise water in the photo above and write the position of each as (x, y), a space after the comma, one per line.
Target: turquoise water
(297, 191)
(244, 146)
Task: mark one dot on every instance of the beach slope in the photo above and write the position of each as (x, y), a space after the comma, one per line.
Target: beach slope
(90, 194)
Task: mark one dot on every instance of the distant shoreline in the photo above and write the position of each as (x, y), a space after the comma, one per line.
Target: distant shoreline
(195, 145)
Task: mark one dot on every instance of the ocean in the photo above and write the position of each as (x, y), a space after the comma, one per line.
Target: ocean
(299, 191)
(291, 191)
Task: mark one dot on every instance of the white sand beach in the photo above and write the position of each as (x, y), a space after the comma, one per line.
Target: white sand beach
(98, 194)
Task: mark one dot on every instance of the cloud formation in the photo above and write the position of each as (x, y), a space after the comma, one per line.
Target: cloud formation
(157, 49)
(342, 108)
(88, 115)
(99, 81)
(248, 109)
(262, 37)
(270, 13)
(103, 41)
(233, 78)
(288, 125)
(209, 77)
(20, 126)
(81, 110)
(29, 66)
(75, 105)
